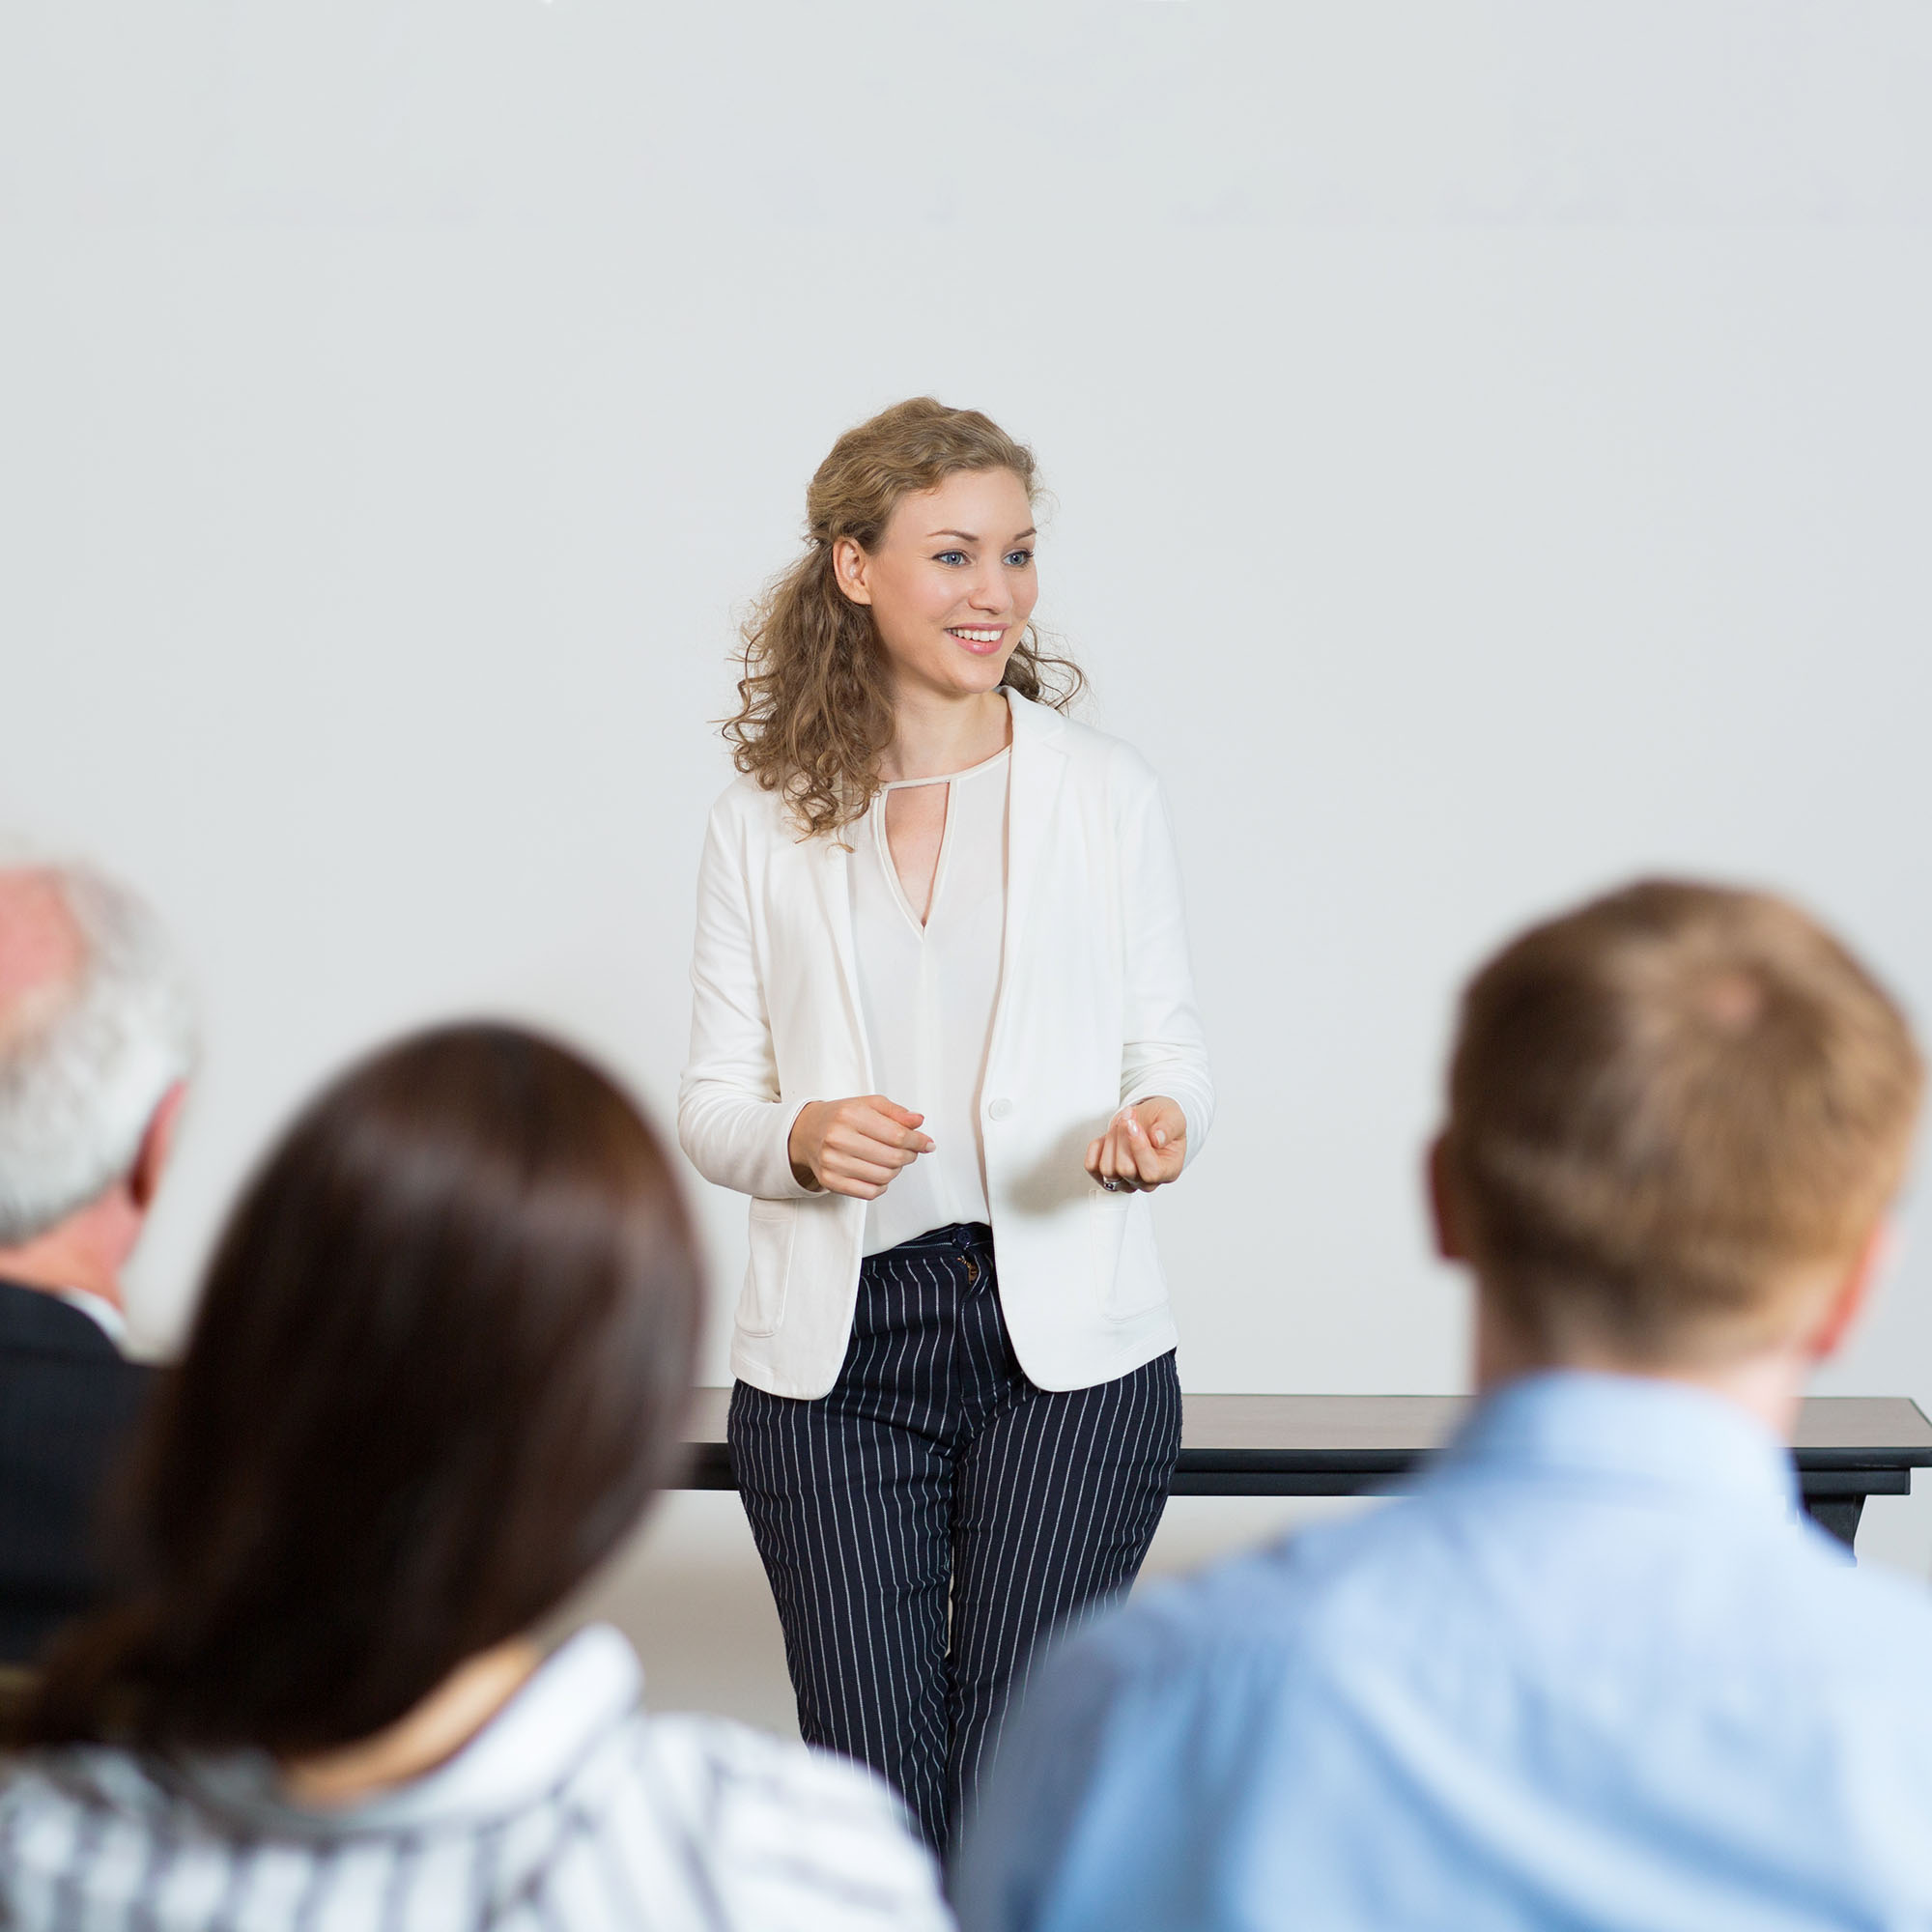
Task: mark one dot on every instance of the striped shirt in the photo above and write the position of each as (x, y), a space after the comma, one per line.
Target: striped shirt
(569, 1809)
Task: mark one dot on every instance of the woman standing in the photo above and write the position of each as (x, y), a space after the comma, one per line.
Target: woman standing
(944, 1036)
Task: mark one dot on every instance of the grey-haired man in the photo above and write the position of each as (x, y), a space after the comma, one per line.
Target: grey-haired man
(95, 1042)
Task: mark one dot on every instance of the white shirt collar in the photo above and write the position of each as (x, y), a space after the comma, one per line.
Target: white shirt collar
(586, 1685)
(99, 1310)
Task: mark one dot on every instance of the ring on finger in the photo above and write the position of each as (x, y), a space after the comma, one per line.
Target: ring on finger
(1112, 1185)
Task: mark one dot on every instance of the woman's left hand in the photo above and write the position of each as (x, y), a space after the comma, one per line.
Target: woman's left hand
(1143, 1147)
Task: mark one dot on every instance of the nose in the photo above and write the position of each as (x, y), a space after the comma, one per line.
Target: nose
(989, 592)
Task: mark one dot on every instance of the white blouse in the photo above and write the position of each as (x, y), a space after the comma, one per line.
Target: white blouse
(1095, 1009)
(928, 993)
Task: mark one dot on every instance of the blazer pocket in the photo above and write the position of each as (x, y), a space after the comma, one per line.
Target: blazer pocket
(1120, 1249)
(774, 1230)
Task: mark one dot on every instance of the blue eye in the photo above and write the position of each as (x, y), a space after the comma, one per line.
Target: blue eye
(951, 557)
(1019, 558)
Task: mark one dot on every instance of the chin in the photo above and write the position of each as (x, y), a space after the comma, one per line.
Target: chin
(980, 675)
(961, 673)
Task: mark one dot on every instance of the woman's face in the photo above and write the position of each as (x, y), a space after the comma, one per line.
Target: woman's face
(951, 585)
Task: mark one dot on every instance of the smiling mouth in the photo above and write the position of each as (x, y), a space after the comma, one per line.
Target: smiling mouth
(977, 637)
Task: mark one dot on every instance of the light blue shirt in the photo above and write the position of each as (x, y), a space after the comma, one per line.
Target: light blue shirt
(1594, 1672)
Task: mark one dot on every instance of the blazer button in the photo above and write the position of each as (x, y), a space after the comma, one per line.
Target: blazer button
(999, 1109)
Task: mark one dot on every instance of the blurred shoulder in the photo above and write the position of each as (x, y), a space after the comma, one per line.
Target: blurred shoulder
(78, 1819)
(1248, 1615)
(791, 1830)
(1861, 1616)
(737, 1760)
(79, 1777)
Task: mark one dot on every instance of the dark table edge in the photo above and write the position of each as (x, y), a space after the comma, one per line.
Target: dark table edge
(1334, 1472)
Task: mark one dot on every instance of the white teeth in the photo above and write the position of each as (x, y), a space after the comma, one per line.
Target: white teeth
(976, 637)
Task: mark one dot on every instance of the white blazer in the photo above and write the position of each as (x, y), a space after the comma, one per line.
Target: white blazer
(1095, 1009)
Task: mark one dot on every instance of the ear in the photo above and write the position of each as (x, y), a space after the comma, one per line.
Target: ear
(144, 1178)
(850, 569)
(1442, 1201)
(1849, 1300)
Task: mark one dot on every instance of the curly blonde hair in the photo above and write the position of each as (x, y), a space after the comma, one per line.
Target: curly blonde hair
(815, 709)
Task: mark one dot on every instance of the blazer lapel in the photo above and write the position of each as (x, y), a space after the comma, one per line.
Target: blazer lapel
(1036, 772)
(832, 879)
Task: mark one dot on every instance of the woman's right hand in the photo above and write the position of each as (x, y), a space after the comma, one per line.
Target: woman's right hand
(854, 1146)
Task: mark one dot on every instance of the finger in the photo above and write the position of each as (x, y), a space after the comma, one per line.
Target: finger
(884, 1125)
(855, 1151)
(904, 1116)
(1094, 1158)
(1158, 1117)
(858, 1190)
(1139, 1162)
(875, 1174)
(857, 1145)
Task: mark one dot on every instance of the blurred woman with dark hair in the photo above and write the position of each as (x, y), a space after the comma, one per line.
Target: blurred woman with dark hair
(438, 1371)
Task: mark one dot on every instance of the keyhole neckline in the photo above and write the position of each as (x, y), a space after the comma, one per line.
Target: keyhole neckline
(882, 840)
(948, 778)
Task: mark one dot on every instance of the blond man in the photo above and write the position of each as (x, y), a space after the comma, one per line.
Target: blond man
(1598, 1670)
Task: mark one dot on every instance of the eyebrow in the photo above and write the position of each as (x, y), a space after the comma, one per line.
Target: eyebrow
(967, 536)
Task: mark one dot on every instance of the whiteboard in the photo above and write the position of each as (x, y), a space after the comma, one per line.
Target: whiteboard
(1488, 454)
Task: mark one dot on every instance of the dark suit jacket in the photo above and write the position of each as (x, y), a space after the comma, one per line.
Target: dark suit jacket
(67, 1399)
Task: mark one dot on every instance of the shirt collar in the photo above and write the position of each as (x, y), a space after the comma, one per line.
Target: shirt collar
(99, 1310)
(1570, 1422)
(582, 1689)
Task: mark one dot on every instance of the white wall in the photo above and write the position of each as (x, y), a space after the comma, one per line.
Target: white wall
(1489, 452)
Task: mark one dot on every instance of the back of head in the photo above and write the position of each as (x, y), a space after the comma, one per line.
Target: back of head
(438, 1367)
(96, 1026)
(1672, 1114)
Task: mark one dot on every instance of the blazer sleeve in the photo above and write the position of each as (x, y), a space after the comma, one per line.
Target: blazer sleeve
(731, 1119)
(1163, 1049)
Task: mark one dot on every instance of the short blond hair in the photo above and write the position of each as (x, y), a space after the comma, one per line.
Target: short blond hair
(1668, 1111)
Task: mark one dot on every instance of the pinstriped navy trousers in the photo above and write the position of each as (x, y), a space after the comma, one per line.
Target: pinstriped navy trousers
(926, 1523)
